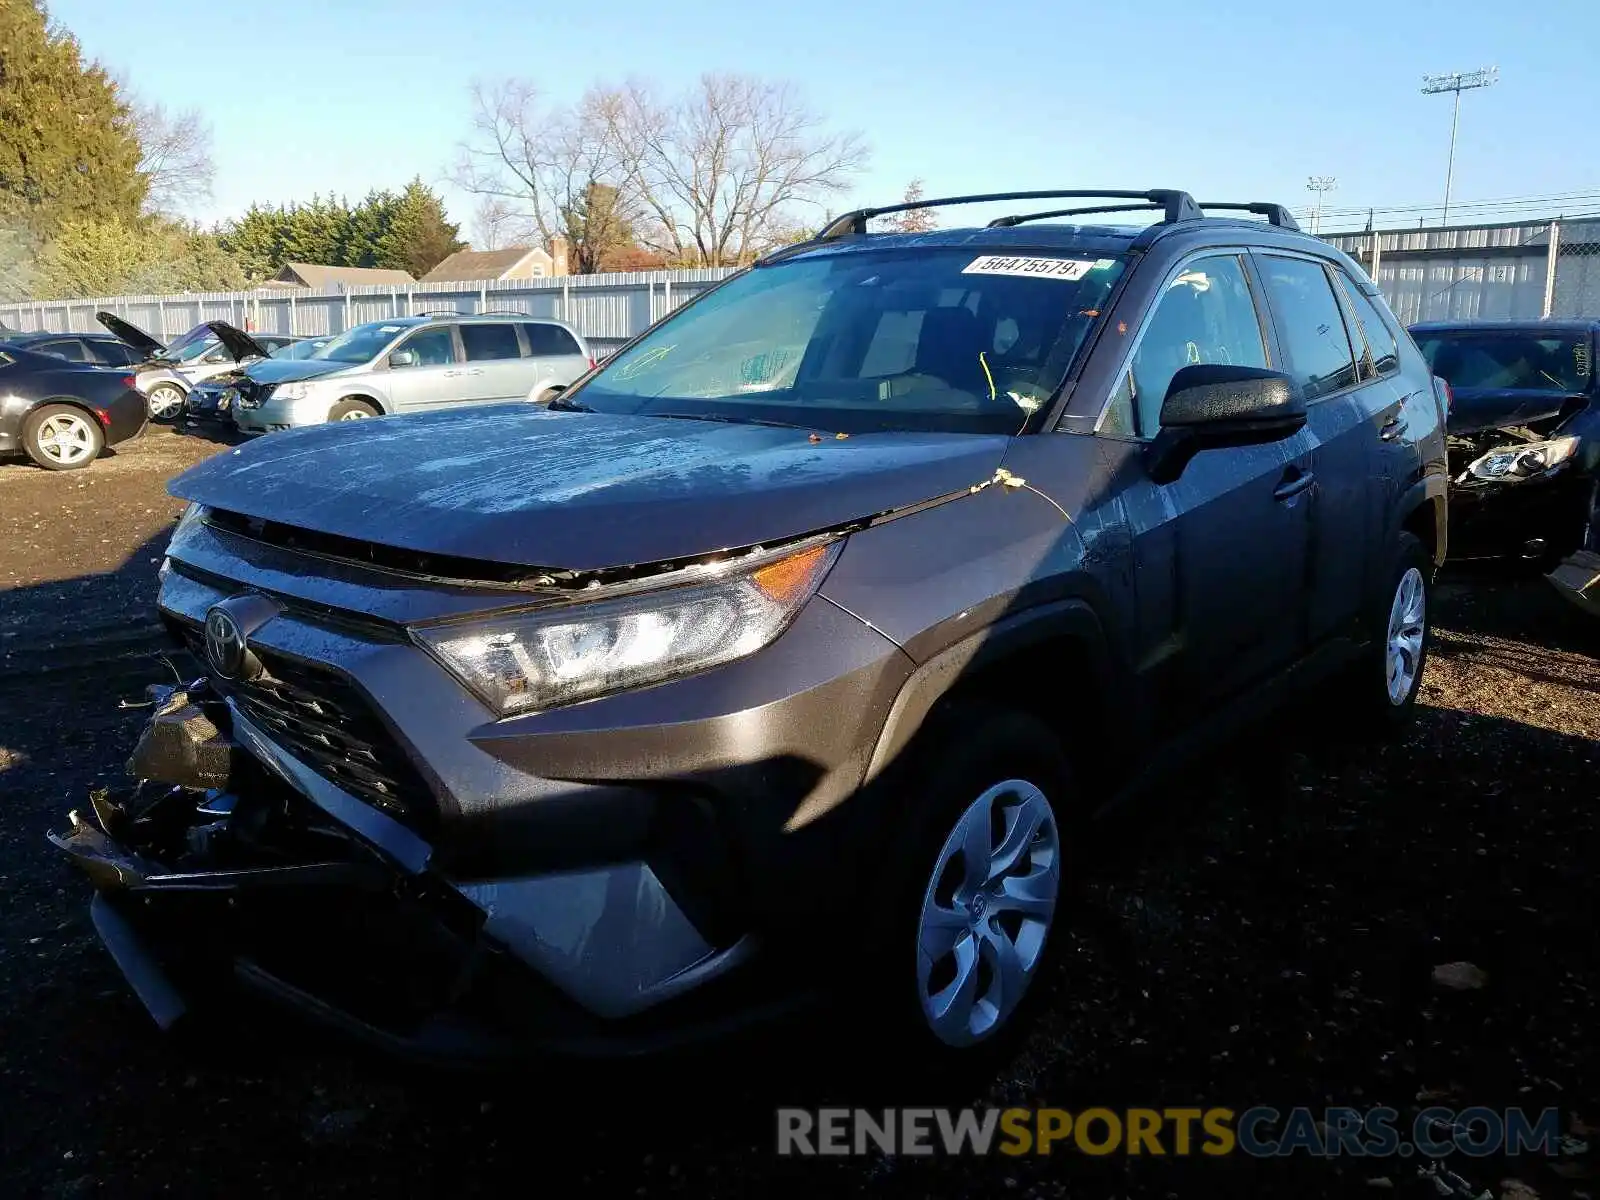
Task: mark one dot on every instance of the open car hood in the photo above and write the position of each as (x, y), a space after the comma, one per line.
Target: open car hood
(237, 342)
(515, 484)
(1476, 410)
(130, 335)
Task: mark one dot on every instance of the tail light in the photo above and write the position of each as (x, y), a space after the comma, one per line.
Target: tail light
(103, 417)
(131, 382)
(592, 363)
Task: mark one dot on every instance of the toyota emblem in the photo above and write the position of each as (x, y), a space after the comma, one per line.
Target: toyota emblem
(228, 629)
(224, 644)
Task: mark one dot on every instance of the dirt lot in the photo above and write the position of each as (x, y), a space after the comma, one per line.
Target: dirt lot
(1266, 935)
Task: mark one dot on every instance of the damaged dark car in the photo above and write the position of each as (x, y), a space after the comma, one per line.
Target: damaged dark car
(784, 657)
(1524, 438)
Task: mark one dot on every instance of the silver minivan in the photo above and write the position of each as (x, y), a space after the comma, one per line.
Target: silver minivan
(410, 364)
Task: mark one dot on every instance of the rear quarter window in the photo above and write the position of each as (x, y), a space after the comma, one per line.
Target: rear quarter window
(550, 341)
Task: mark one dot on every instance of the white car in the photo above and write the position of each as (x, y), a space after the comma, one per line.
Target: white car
(167, 373)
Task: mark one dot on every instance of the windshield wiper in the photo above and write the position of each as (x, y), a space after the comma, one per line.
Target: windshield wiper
(562, 404)
(725, 419)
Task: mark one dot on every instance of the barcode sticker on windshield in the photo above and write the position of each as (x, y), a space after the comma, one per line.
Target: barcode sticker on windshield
(1070, 269)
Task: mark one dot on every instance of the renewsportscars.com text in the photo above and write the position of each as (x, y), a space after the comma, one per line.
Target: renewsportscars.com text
(1259, 1132)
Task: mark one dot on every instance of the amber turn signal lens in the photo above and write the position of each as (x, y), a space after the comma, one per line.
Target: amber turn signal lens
(788, 578)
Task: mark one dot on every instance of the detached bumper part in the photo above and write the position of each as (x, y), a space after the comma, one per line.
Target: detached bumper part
(1578, 579)
(238, 873)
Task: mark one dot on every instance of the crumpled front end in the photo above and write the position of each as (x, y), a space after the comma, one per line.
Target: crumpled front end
(244, 868)
(1526, 492)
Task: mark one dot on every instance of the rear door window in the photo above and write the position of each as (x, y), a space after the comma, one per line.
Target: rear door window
(549, 341)
(1382, 355)
(67, 348)
(1311, 325)
(489, 341)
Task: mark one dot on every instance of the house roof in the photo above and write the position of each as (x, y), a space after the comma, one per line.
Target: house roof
(315, 275)
(482, 264)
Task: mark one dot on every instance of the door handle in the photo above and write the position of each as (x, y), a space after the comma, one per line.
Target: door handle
(1293, 483)
(1392, 428)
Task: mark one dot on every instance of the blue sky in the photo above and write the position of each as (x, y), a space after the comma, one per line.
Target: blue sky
(1238, 100)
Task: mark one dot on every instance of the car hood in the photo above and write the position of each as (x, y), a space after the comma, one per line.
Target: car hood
(579, 491)
(1474, 410)
(286, 370)
(130, 335)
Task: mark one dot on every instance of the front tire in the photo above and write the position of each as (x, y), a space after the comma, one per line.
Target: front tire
(165, 401)
(981, 882)
(352, 410)
(59, 437)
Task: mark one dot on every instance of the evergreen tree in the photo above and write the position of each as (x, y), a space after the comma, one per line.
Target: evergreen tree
(418, 236)
(67, 145)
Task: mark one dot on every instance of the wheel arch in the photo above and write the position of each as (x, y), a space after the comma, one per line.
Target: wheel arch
(1424, 512)
(1054, 660)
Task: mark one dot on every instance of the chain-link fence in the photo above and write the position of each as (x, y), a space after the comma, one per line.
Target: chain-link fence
(1484, 272)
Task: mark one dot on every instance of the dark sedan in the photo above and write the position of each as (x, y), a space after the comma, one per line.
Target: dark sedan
(62, 414)
(95, 349)
(1524, 429)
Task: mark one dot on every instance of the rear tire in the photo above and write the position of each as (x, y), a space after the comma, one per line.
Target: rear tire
(61, 437)
(983, 872)
(165, 401)
(352, 410)
(1384, 682)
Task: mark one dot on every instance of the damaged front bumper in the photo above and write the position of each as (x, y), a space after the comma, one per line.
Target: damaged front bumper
(245, 868)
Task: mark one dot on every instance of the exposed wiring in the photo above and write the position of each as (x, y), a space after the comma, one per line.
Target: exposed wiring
(1006, 479)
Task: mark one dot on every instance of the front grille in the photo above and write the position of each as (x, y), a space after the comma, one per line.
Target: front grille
(321, 719)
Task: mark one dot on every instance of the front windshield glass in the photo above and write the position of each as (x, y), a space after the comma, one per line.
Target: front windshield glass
(936, 340)
(301, 349)
(192, 346)
(1509, 361)
(360, 343)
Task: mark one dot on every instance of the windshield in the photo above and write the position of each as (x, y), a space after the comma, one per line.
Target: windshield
(301, 349)
(192, 346)
(1509, 361)
(360, 343)
(935, 340)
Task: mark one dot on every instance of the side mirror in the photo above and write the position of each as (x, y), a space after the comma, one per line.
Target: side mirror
(403, 358)
(1214, 405)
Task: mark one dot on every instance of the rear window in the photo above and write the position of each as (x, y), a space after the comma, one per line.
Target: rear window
(1509, 361)
(550, 341)
(951, 340)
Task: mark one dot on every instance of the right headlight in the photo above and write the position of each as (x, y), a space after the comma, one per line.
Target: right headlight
(1511, 464)
(557, 656)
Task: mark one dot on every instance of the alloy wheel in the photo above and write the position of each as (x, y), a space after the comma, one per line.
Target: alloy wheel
(1407, 621)
(66, 438)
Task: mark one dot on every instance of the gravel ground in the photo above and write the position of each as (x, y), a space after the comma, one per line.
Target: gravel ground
(1264, 935)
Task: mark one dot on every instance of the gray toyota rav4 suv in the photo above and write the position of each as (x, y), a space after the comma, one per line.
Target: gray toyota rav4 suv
(789, 650)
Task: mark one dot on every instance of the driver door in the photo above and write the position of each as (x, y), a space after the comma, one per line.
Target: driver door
(1221, 552)
(429, 375)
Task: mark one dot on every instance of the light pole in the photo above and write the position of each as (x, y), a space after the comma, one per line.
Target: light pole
(1319, 184)
(1456, 82)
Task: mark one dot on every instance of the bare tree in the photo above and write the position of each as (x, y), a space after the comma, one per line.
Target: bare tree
(174, 156)
(556, 171)
(496, 224)
(915, 220)
(721, 169)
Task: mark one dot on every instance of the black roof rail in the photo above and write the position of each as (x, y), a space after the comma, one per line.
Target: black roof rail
(437, 312)
(1176, 206)
(1276, 214)
(1020, 218)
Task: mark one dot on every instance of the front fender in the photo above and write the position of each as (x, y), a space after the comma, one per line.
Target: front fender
(1010, 639)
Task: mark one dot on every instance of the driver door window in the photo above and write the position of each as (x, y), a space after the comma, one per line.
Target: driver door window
(433, 348)
(1206, 315)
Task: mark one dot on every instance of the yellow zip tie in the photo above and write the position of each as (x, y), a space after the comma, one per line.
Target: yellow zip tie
(984, 363)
